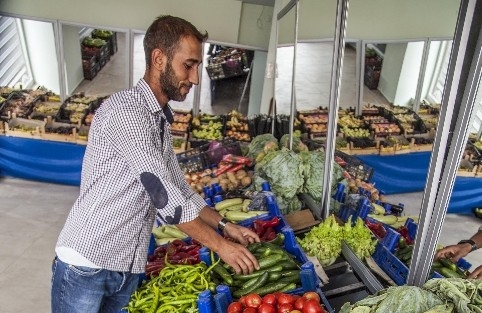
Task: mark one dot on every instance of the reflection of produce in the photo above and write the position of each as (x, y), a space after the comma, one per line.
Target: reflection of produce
(355, 132)
(313, 118)
(350, 121)
(182, 127)
(183, 118)
(93, 42)
(390, 128)
(211, 130)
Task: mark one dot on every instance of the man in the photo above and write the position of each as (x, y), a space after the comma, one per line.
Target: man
(464, 247)
(129, 174)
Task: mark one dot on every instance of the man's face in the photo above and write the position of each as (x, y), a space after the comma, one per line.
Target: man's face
(181, 72)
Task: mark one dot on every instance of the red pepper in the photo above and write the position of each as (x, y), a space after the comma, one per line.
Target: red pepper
(403, 230)
(189, 248)
(236, 168)
(269, 234)
(377, 228)
(271, 223)
(259, 229)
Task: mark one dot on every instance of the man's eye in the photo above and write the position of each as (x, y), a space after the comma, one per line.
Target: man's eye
(188, 66)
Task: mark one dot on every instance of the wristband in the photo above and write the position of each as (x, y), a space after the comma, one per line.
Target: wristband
(222, 224)
(471, 242)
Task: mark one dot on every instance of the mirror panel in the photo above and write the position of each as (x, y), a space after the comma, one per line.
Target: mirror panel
(391, 71)
(28, 54)
(94, 70)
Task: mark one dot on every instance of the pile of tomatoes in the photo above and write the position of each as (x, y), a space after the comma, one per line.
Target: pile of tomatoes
(278, 302)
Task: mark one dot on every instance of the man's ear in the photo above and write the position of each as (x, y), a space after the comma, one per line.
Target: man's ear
(159, 59)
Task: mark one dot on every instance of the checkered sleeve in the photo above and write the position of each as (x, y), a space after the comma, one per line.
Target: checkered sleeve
(140, 144)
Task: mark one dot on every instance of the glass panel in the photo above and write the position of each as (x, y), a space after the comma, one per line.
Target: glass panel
(28, 55)
(92, 66)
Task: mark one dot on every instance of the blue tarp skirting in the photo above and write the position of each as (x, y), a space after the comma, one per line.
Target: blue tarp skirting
(57, 162)
(408, 173)
(41, 160)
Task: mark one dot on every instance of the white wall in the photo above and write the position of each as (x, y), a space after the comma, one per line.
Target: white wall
(408, 79)
(72, 58)
(392, 65)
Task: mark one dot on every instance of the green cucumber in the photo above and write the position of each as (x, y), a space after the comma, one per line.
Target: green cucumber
(269, 288)
(448, 273)
(269, 261)
(223, 273)
(242, 277)
(251, 285)
(448, 264)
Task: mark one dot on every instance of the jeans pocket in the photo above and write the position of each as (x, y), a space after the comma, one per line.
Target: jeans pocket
(84, 270)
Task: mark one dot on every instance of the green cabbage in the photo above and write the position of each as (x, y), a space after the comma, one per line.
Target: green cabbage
(314, 164)
(298, 145)
(283, 170)
(261, 145)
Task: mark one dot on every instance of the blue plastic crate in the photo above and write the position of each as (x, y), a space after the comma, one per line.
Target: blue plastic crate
(389, 263)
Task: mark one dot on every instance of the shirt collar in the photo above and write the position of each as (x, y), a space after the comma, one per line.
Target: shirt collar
(152, 103)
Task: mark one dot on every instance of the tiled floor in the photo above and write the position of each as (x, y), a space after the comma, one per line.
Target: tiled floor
(32, 215)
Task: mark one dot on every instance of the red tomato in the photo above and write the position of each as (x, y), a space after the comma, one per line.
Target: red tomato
(312, 295)
(235, 307)
(285, 298)
(312, 306)
(249, 310)
(266, 308)
(295, 311)
(242, 300)
(295, 297)
(276, 294)
(284, 308)
(253, 300)
(270, 299)
(299, 303)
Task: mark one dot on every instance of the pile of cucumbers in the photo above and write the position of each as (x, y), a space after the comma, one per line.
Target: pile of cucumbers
(279, 272)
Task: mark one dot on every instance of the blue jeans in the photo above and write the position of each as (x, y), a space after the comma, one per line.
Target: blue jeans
(78, 289)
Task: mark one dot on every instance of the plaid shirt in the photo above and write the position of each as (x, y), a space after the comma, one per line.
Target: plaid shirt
(129, 173)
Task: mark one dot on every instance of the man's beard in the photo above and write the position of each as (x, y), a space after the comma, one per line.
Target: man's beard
(170, 85)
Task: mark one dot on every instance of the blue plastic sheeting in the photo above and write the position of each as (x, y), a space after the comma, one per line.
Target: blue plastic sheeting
(408, 172)
(398, 173)
(41, 160)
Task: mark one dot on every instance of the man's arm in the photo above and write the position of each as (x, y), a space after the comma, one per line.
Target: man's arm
(234, 254)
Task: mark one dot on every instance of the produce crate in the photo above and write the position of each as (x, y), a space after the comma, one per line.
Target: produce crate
(42, 110)
(92, 72)
(355, 167)
(191, 161)
(82, 135)
(25, 128)
(110, 40)
(212, 156)
(74, 109)
(97, 52)
(56, 131)
(19, 103)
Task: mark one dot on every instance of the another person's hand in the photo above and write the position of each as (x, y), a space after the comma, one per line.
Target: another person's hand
(241, 234)
(453, 252)
(238, 257)
(476, 274)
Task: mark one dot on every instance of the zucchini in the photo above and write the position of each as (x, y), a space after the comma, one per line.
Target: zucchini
(291, 279)
(237, 216)
(274, 276)
(227, 203)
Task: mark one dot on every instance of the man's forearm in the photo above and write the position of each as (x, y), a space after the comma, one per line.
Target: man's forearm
(210, 217)
(477, 238)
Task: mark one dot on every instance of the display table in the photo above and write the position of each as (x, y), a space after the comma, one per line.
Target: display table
(408, 173)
